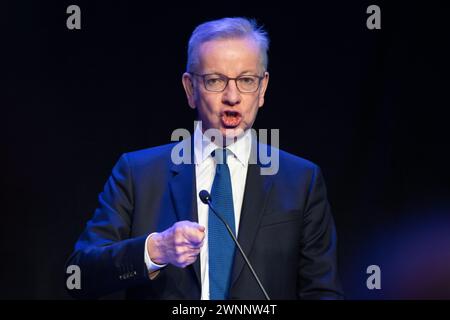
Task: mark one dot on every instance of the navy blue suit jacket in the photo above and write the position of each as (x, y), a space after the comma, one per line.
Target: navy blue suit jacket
(286, 229)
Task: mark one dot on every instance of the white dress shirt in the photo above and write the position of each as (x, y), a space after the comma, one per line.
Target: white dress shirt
(205, 170)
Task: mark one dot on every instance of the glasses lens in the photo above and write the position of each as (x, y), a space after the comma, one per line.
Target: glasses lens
(215, 82)
(248, 83)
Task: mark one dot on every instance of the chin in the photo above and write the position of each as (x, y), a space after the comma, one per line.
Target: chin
(232, 132)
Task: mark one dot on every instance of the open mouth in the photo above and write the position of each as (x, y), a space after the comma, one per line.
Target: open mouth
(231, 118)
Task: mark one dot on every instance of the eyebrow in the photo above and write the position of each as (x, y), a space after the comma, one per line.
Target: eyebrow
(248, 72)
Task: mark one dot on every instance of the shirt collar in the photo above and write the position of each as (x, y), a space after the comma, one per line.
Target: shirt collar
(203, 147)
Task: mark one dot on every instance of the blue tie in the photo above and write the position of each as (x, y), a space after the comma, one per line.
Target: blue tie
(221, 245)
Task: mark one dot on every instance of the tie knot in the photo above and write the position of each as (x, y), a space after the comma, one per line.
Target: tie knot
(220, 155)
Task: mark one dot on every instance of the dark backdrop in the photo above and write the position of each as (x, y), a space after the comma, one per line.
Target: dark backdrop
(368, 106)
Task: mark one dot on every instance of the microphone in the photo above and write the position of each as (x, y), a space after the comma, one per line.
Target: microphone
(205, 197)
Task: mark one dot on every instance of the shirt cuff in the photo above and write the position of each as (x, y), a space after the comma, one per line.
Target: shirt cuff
(151, 266)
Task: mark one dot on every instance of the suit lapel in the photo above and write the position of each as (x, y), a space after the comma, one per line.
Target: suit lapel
(257, 189)
(182, 188)
(183, 195)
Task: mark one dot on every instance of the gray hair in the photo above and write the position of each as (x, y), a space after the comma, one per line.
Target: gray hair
(227, 28)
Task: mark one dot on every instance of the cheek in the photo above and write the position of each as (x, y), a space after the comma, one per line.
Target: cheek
(208, 108)
(210, 103)
(253, 105)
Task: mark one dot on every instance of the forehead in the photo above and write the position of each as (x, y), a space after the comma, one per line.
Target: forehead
(229, 56)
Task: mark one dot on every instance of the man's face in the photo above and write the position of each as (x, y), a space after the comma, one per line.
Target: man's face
(230, 111)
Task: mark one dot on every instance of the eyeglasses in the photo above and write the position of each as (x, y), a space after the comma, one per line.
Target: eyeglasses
(218, 82)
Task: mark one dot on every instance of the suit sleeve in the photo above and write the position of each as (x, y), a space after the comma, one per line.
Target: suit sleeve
(108, 258)
(318, 266)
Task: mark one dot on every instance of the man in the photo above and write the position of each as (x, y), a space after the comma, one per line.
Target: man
(153, 237)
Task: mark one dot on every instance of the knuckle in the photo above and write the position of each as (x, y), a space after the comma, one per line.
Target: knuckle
(176, 231)
(178, 227)
(178, 239)
(181, 260)
(178, 223)
(179, 251)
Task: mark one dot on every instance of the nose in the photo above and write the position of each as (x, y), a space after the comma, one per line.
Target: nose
(231, 95)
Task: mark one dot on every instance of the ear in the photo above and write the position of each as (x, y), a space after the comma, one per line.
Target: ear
(188, 85)
(262, 90)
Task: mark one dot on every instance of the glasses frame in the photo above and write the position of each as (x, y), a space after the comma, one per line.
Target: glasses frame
(203, 76)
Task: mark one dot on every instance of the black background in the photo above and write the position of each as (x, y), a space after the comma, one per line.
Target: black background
(368, 106)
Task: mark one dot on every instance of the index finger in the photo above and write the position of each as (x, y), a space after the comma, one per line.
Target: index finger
(195, 235)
